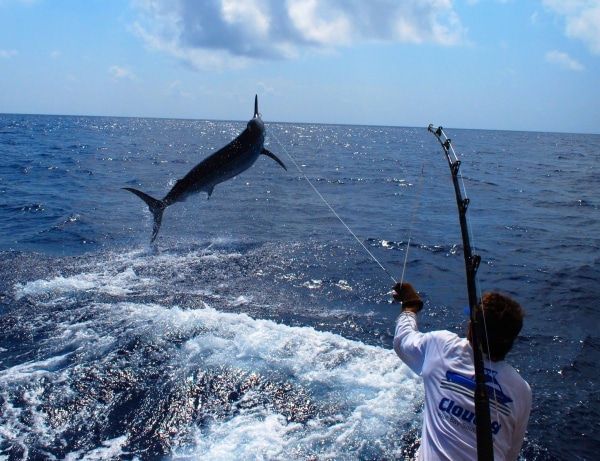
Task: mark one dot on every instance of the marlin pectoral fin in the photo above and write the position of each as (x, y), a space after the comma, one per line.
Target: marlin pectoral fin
(209, 191)
(268, 153)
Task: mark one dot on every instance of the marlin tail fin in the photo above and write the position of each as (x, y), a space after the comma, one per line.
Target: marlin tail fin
(157, 207)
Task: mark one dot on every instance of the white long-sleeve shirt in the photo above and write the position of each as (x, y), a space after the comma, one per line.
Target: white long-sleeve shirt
(445, 361)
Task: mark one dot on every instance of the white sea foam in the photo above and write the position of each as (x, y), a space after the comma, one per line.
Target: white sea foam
(114, 284)
(361, 392)
(368, 384)
(110, 449)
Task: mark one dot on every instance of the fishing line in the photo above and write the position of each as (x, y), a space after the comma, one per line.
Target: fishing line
(332, 210)
(412, 223)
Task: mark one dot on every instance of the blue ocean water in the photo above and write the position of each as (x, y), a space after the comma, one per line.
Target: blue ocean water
(259, 328)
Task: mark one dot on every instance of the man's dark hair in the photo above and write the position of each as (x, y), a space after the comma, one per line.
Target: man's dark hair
(502, 320)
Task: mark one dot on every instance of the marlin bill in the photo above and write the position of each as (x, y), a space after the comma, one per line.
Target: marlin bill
(228, 162)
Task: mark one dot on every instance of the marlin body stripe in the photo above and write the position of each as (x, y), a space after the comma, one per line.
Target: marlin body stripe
(228, 162)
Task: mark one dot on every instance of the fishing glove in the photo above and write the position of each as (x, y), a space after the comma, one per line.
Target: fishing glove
(406, 294)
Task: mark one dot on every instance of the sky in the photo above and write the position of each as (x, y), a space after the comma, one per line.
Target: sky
(526, 65)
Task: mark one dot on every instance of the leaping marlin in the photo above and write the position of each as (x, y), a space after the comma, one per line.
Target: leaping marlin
(229, 161)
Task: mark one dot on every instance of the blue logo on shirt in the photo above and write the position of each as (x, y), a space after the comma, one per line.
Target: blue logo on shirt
(452, 408)
(466, 387)
(493, 387)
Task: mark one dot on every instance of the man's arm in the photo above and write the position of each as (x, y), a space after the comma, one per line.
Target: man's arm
(408, 340)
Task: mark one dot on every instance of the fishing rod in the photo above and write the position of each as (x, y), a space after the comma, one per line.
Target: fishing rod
(485, 448)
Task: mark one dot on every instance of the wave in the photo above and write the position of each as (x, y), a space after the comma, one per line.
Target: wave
(144, 379)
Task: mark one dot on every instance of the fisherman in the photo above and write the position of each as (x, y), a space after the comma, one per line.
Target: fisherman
(445, 361)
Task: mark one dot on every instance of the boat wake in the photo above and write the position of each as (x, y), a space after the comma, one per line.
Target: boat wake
(102, 361)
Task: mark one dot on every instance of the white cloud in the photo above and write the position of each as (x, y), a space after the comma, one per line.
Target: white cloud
(175, 90)
(121, 73)
(582, 19)
(8, 53)
(563, 60)
(225, 33)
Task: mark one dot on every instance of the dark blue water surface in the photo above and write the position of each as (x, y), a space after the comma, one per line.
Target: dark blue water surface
(259, 327)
